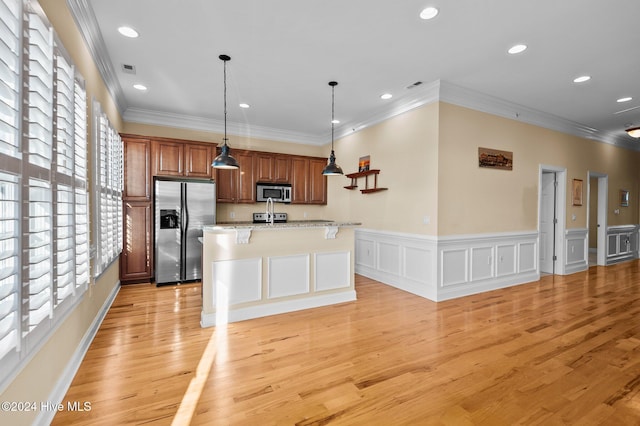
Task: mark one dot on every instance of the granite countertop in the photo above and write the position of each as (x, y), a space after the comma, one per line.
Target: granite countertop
(312, 223)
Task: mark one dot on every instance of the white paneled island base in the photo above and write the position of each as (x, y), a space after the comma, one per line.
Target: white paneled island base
(252, 271)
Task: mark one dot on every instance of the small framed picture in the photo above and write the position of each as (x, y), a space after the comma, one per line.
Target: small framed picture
(576, 191)
(363, 163)
(624, 198)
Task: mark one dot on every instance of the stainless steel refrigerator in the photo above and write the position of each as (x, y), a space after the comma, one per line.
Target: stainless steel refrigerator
(182, 208)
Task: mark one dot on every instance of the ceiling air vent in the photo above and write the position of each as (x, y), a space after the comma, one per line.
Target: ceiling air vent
(416, 84)
(129, 69)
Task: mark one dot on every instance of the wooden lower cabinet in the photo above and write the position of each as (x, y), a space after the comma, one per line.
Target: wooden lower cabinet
(136, 259)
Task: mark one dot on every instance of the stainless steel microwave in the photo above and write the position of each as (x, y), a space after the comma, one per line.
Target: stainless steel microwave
(278, 192)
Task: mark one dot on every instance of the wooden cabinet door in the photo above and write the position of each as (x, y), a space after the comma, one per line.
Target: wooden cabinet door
(198, 160)
(226, 183)
(137, 253)
(264, 167)
(246, 176)
(137, 169)
(317, 181)
(282, 169)
(168, 158)
(299, 172)
(238, 186)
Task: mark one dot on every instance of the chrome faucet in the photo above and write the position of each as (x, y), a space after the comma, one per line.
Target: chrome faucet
(269, 212)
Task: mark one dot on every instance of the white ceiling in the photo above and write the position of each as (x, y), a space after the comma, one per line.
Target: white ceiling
(284, 52)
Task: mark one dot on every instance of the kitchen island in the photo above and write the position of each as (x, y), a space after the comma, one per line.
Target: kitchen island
(255, 270)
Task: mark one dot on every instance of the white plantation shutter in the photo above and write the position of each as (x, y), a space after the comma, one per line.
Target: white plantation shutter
(9, 263)
(40, 92)
(44, 235)
(39, 275)
(109, 174)
(81, 200)
(10, 77)
(64, 117)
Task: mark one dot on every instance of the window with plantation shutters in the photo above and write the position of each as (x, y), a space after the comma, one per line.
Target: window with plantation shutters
(109, 152)
(44, 235)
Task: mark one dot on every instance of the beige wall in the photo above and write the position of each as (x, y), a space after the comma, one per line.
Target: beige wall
(405, 150)
(474, 200)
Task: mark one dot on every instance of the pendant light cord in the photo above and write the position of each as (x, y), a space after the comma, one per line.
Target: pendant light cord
(225, 101)
(333, 102)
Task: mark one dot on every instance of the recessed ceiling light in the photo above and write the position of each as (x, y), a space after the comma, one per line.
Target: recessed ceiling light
(582, 79)
(335, 121)
(518, 48)
(243, 105)
(386, 96)
(140, 87)
(428, 13)
(128, 32)
(625, 99)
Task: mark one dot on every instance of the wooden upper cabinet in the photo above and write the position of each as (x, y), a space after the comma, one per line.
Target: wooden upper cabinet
(168, 158)
(178, 158)
(137, 169)
(238, 186)
(317, 181)
(198, 159)
(299, 181)
(273, 168)
(282, 169)
(309, 185)
(264, 167)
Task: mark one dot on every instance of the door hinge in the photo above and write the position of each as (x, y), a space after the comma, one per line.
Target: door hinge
(555, 257)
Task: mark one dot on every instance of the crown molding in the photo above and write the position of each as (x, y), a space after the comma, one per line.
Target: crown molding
(90, 30)
(468, 98)
(415, 98)
(158, 118)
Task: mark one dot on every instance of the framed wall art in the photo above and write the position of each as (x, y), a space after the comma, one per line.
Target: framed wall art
(495, 159)
(576, 191)
(624, 198)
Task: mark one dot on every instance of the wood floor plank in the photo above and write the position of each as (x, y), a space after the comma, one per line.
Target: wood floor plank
(563, 350)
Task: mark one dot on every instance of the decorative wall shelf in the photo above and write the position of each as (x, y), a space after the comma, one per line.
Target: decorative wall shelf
(354, 181)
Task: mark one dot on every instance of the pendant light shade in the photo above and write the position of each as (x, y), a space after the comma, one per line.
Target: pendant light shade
(225, 160)
(332, 168)
(634, 132)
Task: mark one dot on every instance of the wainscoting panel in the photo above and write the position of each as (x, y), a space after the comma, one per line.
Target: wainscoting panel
(237, 281)
(332, 270)
(448, 267)
(389, 257)
(288, 275)
(481, 263)
(454, 266)
(404, 261)
(528, 257)
(576, 246)
(506, 259)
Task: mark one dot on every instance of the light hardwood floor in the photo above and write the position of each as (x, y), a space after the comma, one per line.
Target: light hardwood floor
(563, 350)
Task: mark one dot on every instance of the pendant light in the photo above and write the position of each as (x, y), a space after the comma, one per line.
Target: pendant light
(225, 160)
(332, 168)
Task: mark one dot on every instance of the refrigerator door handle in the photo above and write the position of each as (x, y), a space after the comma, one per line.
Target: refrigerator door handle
(184, 225)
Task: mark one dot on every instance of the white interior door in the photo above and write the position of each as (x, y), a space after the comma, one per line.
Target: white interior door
(547, 222)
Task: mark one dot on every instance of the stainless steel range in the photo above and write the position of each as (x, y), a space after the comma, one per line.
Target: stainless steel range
(264, 217)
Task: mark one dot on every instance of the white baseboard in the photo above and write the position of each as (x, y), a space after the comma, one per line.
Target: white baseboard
(62, 386)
